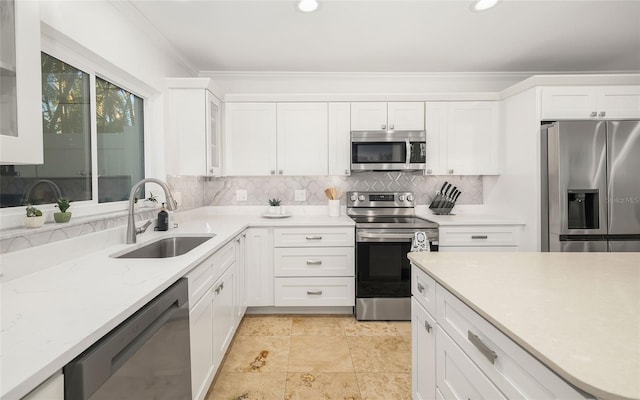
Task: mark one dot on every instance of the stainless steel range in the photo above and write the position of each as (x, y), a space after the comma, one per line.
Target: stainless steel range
(385, 227)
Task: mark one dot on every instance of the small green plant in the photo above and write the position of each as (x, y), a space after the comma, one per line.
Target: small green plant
(63, 204)
(33, 212)
(275, 202)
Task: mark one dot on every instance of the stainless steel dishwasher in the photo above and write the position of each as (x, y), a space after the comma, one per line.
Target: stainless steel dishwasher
(145, 357)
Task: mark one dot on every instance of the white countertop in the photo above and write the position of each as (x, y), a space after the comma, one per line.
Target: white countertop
(578, 313)
(52, 315)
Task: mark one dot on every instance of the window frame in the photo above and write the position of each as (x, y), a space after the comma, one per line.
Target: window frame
(95, 66)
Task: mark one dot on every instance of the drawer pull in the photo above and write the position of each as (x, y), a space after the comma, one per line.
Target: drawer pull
(486, 351)
(420, 288)
(314, 292)
(479, 237)
(314, 237)
(314, 262)
(427, 326)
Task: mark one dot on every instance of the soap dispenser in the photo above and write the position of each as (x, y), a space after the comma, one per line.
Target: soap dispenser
(163, 220)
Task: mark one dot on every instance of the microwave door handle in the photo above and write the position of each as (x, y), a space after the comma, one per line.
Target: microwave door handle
(408, 157)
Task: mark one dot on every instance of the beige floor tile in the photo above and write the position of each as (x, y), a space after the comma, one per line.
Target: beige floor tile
(258, 354)
(265, 325)
(380, 354)
(319, 354)
(318, 326)
(322, 386)
(353, 327)
(404, 329)
(384, 386)
(248, 386)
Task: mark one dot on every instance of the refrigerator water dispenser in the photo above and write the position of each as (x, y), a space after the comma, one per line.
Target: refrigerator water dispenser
(583, 208)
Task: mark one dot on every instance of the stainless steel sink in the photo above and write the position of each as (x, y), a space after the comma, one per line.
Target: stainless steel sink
(165, 248)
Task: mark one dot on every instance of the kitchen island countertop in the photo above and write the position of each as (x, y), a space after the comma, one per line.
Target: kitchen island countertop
(578, 313)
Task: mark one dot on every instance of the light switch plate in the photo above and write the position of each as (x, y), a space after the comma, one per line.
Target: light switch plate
(241, 195)
(300, 195)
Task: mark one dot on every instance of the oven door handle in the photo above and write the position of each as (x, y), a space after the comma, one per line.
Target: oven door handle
(391, 237)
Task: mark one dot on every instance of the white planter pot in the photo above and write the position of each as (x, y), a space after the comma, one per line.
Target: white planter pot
(34, 222)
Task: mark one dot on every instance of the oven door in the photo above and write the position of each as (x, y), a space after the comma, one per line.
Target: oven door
(382, 266)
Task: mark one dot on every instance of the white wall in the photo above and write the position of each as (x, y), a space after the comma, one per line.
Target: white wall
(516, 191)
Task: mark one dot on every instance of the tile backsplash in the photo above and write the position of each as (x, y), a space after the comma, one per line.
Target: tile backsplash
(203, 191)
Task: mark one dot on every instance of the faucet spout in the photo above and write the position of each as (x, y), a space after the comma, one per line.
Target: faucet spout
(172, 205)
(27, 192)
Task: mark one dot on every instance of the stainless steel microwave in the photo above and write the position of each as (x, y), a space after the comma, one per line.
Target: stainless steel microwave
(388, 150)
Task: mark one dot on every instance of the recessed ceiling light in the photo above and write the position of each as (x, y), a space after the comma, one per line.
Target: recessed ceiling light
(308, 5)
(481, 5)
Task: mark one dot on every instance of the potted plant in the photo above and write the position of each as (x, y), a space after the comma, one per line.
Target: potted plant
(63, 215)
(34, 218)
(275, 206)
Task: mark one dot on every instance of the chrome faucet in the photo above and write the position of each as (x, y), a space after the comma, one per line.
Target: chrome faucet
(132, 231)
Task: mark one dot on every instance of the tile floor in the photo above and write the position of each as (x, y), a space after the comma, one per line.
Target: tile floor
(316, 357)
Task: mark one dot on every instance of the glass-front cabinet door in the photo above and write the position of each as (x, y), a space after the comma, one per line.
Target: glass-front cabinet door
(20, 83)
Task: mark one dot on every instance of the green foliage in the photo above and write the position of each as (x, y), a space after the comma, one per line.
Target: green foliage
(63, 204)
(33, 212)
(275, 202)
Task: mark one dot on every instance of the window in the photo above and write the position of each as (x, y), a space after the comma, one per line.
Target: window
(77, 107)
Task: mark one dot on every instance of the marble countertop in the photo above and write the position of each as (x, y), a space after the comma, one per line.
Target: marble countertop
(578, 313)
(50, 316)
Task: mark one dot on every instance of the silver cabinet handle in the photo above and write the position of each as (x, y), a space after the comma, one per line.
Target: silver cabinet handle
(314, 262)
(279, 172)
(420, 287)
(219, 288)
(314, 237)
(479, 237)
(273, 172)
(346, 172)
(451, 171)
(391, 126)
(486, 351)
(314, 292)
(383, 126)
(603, 113)
(593, 114)
(427, 326)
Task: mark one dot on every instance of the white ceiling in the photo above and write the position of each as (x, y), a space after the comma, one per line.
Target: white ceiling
(401, 36)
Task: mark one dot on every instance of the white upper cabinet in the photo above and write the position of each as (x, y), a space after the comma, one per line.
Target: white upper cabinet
(250, 139)
(462, 138)
(339, 139)
(582, 102)
(194, 128)
(302, 139)
(276, 139)
(375, 116)
(21, 82)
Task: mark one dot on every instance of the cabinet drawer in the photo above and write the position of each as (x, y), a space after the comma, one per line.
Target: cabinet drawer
(313, 237)
(480, 236)
(200, 280)
(321, 261)
(314, 291)
(457, 376)
(423, 289)
(223, 258)
(514, 371)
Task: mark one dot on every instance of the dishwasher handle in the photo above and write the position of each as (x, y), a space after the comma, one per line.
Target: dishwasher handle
(90, 370)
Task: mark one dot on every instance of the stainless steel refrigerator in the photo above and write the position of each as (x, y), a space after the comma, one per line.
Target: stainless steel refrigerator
(590, 186)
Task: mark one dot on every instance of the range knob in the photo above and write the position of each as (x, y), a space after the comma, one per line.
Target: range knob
(361, 197)
(401, 197)
(353, 197)
(409, 197)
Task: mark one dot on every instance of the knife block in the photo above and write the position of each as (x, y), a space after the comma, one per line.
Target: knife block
(437, 209)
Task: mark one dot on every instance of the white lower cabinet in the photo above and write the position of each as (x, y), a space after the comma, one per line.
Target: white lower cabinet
(259, 267)
(480, 238)
(314, 266)
(51, 389)
(473, 359)
(423, 354)
(213, 314)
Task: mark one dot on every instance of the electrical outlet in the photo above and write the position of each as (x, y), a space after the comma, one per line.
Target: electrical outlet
(300, 195)
(241, 195)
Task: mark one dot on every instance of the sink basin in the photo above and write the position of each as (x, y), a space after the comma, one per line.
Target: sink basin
(167, 247)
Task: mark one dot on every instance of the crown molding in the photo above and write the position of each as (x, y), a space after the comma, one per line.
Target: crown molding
(366, 75)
